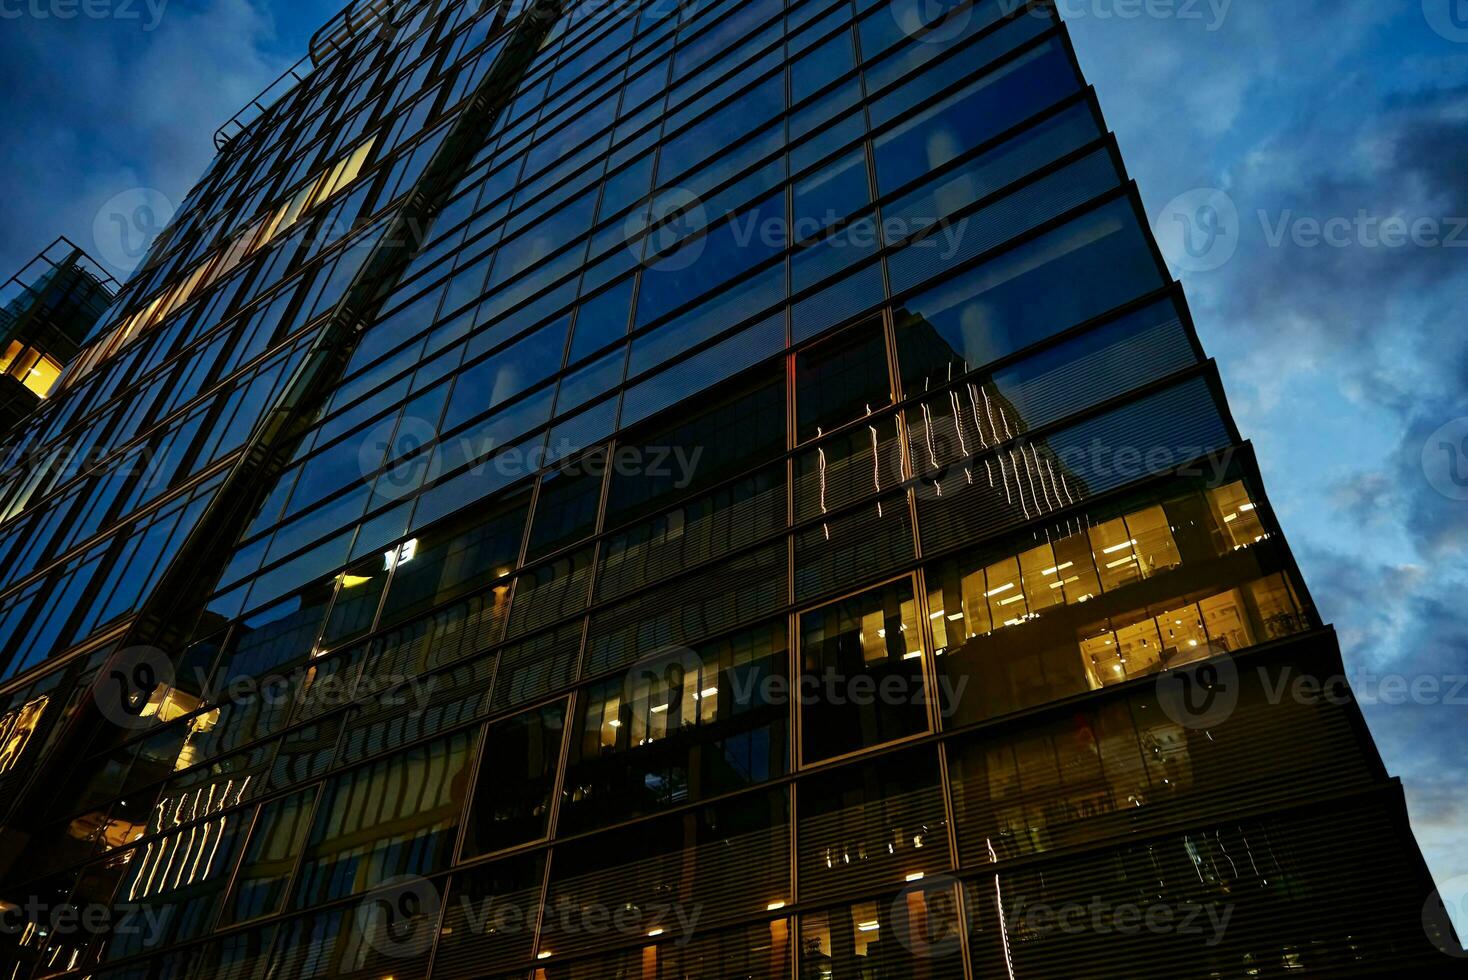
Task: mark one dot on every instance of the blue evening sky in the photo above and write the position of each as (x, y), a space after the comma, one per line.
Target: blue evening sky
(1272, 141)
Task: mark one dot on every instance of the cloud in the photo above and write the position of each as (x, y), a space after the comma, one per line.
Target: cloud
(97, 107)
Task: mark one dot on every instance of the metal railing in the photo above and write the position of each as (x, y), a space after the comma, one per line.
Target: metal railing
(326, 43)
(26, 285)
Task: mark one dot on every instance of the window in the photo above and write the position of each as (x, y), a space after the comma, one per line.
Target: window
(281, 634)
(35, 370)
(512, 800)
(704, 262)
(468, 945)
(1012, 301)
(601, 320)
(506, 374)
(873, 827)
(914, 933)
(730, 860)
(394, 817)
(1009, 626)
(16, 728)
(359, 591)
(861, 672)
(733, 430)
(678, 728)
(841, 380)
(269, 861)
(1236, 514)
(983, 108)
(468, 551)
(566, 510)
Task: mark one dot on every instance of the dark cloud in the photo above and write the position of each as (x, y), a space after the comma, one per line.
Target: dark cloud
(97, 107)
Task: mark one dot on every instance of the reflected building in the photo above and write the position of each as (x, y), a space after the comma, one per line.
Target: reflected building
(641, 491)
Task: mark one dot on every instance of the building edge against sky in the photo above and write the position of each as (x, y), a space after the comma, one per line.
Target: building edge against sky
(47, 311)
(628, 491)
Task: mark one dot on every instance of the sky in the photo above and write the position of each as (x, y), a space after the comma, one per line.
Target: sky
(1306, 165)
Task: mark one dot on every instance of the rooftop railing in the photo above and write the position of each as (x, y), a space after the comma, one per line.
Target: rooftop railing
(29, 283)
(326, 43)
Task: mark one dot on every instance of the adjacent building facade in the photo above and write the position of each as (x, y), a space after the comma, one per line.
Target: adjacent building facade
(635, 491)
(47, 310)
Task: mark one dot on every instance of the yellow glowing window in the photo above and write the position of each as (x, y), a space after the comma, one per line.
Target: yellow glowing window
(10, 355)
(42, 375)
(339, 175)
(18, 726)
(345, 171)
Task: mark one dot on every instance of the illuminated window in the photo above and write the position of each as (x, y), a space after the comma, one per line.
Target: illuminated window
(16, 729)
(35, 370)
(11, 353)
(680, 728)
(43, 375)
(1237, 514)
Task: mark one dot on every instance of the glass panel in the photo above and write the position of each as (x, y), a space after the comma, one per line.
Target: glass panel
(1116, 555)
(861, 672)
(916, 933)
(1155, 547)
(513, 796)
(680, 728)
(394, 817)
(840, 380)
(1226, 621)
(469, 551)
(1279, 610)
(1237, 515)
(265, 872)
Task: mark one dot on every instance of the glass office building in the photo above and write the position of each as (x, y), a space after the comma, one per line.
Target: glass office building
(621, 490)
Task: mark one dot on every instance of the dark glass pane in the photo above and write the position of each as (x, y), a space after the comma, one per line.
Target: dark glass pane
(841, 379)
(872, 827)
(601, 320)
(357, 599)
(733, 430)
(861, 672)
(728, 860)
(265, 871)
(1064, 277)
(281, 634)
(395, 817)
(680, 728)
(468, 551)
(565, 511)
(516, 777)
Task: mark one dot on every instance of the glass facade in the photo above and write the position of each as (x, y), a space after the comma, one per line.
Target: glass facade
(639, 490)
